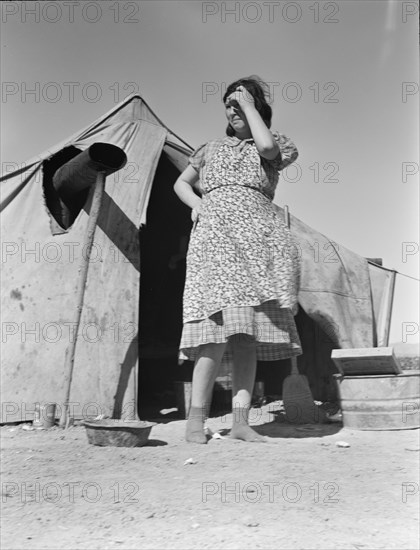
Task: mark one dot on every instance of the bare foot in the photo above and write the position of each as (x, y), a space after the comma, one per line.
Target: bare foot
(246, 433)
(196, 437)
(195, 432)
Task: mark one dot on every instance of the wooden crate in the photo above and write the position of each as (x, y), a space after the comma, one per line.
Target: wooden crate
(365, 361)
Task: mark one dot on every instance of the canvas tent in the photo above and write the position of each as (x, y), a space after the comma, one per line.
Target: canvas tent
(344, 295)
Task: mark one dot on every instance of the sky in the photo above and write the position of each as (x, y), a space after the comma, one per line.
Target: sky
(344, 80)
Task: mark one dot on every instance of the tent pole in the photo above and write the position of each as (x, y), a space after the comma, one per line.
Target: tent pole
(287, 222)
(386, 313)
(81, 285)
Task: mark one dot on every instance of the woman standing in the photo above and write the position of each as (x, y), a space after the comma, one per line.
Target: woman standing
(242, 278)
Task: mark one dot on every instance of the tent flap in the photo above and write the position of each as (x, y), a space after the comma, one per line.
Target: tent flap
(334, 287)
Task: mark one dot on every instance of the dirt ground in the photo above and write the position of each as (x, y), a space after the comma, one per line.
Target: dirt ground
(297, 491)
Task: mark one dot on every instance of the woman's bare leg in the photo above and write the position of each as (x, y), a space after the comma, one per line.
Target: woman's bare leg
(244, 371)
(205, 373)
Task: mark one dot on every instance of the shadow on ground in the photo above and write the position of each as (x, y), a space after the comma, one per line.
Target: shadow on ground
(281, 426)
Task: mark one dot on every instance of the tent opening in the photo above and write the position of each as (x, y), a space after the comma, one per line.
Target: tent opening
(163, 247)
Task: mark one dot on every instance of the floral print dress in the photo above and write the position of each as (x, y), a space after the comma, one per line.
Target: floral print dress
(242, 276)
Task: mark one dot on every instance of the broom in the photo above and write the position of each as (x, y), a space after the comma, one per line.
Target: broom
(297, 396)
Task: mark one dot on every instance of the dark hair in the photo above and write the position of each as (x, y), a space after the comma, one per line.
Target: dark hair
(259, 91)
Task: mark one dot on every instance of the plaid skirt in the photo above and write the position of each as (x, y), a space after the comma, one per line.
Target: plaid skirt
(271, 326)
